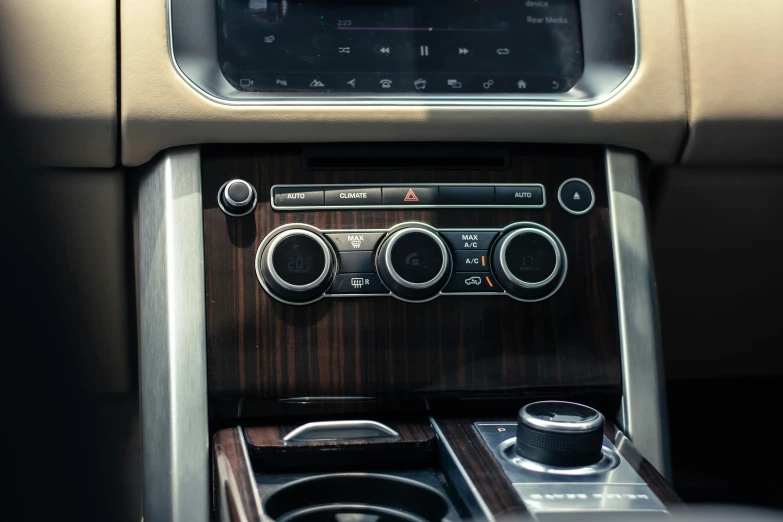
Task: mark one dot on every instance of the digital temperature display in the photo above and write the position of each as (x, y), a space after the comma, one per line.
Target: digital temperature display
(401, 47)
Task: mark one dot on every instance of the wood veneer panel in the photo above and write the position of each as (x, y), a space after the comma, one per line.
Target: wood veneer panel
(381, 347)
(481, 466)
(234, 482)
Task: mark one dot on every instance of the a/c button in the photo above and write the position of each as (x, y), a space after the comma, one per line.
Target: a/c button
(471, 261)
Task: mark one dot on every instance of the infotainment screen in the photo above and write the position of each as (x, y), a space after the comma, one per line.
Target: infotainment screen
(400, 47)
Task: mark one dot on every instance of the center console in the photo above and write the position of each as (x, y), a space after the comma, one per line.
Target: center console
(408, 332)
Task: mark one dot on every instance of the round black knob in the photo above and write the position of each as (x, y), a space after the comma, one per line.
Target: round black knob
(560, 434)
(237, 198)
(414, 263)
(296, 265)
(529, 262)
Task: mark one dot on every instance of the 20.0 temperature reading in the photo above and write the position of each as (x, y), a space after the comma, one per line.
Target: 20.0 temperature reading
(299, 264)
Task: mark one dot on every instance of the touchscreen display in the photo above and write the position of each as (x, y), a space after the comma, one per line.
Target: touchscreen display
(401, 47)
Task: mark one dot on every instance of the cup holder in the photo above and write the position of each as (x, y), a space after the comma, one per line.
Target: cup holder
(356, 497)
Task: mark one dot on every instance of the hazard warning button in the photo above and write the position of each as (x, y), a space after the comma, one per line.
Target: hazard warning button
(410, 196)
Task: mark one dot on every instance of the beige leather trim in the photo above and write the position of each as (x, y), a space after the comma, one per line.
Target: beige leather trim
(160, 110)
(735, 55)
(59, 73)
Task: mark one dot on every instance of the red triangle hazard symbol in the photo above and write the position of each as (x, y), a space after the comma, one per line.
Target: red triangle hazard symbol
(411, 196)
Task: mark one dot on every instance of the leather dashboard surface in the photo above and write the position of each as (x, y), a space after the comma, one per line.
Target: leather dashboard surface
(159, 109)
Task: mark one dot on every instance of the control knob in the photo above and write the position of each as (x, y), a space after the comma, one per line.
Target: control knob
(414, 263)
(237, 198)
(296, 265)
(529, 262)
(559, 433)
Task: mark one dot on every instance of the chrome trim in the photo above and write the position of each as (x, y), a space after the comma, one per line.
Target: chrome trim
(495, 434)
(470, 493)
(609, 460)
(233, 182)
(301, 433)
(564, 271)
(172, 339)
(407, 185)
(392, 240)
(560, 199)
(197, 21)
(253, 194)
(296, 232)
(246, 458)
(504, 265)
(596, 422)
(644, 401)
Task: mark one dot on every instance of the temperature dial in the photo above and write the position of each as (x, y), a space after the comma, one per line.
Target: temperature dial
(529, 262)
(296, 265)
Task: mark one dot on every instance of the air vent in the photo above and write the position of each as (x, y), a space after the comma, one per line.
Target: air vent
(363, 157)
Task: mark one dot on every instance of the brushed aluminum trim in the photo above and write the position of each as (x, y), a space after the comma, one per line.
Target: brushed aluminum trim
(172, 339)
(644, 402)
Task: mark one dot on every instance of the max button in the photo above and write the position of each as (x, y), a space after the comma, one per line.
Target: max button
(352, 241)
(469, 240)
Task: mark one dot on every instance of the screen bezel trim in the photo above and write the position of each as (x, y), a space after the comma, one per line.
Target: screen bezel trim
(609, 66)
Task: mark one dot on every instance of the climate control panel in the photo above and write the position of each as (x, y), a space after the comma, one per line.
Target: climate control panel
(300, 264)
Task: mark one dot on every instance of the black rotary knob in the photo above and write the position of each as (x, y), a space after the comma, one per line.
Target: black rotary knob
(414, 263)
(529, 262)
(296, 265)
(237, 198)
(560, 434)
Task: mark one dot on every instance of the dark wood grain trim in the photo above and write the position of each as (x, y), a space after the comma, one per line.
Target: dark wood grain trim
(412, 433)
(647, 471)
(236, 495)
(261, 349)
(482, 468)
